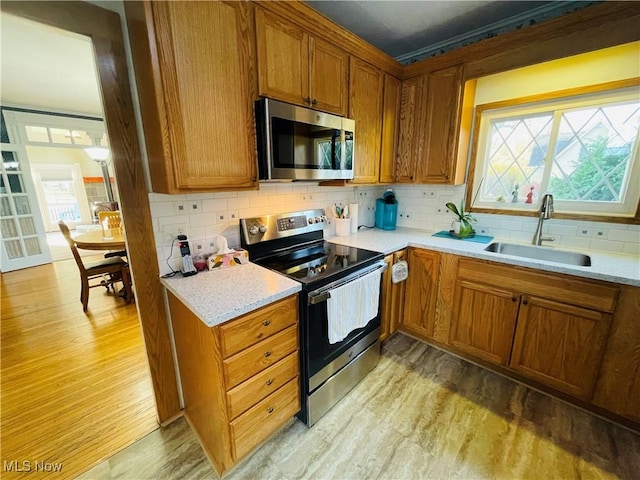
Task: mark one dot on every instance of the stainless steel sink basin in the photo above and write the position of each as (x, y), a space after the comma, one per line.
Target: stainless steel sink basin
(540, 253)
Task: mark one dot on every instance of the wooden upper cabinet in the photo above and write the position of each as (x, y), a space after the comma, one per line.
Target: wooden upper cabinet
(390, 121)
(560, 345)
(297, 68)
(195, 75)
(366, 84)
(410, 129)
(421, 293)
(328, 77)
(435, 119)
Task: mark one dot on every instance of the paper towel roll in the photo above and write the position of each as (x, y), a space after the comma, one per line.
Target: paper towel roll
(353, 213)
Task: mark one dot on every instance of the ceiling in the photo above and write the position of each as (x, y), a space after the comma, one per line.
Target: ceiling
(411, 30)
(51, 69)
(47, 68)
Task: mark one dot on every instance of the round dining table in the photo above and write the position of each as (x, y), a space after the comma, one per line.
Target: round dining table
(101, 240)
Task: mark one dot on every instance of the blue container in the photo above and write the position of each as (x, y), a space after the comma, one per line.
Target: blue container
(387, 211)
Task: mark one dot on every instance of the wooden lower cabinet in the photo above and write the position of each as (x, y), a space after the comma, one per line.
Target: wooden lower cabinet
(484, 320)
(560, 345)
(240, 380)
(392, 298)
(421, 293)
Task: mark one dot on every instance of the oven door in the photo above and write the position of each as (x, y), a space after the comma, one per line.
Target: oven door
(323, 358)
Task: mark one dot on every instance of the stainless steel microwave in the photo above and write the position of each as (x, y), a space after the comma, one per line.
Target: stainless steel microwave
(296, 143)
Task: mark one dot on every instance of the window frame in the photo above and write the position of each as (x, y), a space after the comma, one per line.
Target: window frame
(548, 99)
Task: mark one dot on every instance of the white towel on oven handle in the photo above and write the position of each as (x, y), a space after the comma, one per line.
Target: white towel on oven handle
(353, 305)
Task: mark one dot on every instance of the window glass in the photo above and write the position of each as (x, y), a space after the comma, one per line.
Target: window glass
(60, 135)
(582, 149)
(37, 134)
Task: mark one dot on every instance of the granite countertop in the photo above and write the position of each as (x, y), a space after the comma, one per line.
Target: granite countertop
(223, 294)
(610, 267)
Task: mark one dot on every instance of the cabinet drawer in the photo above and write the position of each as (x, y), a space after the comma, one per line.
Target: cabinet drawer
(259, 386)
(256, 326)
(254, 359)
(563, 288)
(254, 426)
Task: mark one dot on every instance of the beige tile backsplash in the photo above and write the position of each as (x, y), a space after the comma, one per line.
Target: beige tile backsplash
(205, 216)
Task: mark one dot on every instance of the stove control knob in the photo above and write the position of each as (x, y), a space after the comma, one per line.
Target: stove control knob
(253, 230)
(262, 228)
(311, 220)
(323, 218)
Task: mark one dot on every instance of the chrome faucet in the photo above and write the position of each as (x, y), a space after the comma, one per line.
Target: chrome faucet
(546, 209)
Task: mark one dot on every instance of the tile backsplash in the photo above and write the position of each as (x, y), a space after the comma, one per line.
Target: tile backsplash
(203, 217)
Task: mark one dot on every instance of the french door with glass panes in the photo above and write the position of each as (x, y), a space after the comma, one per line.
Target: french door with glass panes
(22, 236)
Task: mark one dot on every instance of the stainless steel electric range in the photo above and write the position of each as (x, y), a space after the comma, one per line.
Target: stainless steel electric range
(293, 245)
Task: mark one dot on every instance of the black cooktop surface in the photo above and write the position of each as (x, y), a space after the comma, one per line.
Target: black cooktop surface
(320, 261)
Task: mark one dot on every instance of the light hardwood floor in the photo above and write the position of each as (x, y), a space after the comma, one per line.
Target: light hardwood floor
(421, 414)
(75, 388)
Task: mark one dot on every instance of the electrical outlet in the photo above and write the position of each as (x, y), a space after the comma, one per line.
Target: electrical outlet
(182, 230)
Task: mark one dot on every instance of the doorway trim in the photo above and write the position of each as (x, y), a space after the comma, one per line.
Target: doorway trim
(104, 29)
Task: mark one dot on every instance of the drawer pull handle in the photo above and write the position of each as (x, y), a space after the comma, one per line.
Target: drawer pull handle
(270, 381)
(267, 354)
(266, 323)
(270, 410)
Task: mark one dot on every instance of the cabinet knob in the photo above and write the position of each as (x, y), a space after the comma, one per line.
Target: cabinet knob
(266, 323)
(307, 100)
(525, 301)
(314, 102)
(270, 381)
(253, 179)
(270, 410)
(267, 354)
(446, 177)
(411, 177)
(514, 298)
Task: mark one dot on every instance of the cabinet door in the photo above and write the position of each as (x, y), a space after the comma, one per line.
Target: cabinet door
(483, 321)
(410, 129)
(328, 74)
(421, 292)
(365, 107)
(385, 299)
(202, 114)
(397, 296)
(441, 105)
(390, 119)
(283, 59)
(560, 345)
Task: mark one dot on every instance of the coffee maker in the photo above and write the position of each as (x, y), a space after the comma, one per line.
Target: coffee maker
(387, 210)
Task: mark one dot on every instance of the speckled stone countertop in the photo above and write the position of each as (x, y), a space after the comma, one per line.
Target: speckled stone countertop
(219, 295)
(610, 267)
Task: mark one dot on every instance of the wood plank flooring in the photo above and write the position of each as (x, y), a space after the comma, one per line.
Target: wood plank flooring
(75, 388)
(420, 414)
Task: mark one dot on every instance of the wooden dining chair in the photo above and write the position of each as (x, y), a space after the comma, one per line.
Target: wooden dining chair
(108, 271)
(111, 220)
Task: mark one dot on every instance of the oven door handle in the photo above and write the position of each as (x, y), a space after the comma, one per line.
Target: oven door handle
(324, 293)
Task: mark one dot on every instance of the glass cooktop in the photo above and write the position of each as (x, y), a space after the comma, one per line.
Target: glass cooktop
(314, 263)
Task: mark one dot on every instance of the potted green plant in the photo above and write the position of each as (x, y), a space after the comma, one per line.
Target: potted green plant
(461, 227)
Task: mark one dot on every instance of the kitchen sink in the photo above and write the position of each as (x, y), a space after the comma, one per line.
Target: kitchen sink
(540, 253)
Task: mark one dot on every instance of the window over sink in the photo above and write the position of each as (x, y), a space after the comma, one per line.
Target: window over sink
(567, 127)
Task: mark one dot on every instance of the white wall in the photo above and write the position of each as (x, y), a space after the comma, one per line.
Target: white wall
(606, 65)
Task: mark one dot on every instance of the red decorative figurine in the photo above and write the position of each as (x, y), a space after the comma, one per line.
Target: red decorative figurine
(529, 196)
